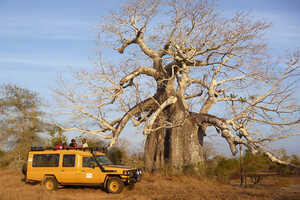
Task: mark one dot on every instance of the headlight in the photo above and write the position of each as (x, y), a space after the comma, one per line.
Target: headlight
(139, 172)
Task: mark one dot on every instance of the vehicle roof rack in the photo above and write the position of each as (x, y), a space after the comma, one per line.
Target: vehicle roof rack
(41, 148)
(101, 149)
(91, 149)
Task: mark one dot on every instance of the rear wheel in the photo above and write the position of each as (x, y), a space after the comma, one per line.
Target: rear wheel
(114, 185)
(24, 171)
(50, 183)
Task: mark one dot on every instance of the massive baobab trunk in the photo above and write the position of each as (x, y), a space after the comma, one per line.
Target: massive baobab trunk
(175, 141)
(176, 147)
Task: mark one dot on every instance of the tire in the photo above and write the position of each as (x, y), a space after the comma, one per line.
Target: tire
(114, 185)
(24, 169)
(50, 183)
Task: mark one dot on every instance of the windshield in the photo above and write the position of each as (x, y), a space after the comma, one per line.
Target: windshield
(89, 161)
(102, 160)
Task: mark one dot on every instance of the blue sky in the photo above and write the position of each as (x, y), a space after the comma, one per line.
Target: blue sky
(39, 39)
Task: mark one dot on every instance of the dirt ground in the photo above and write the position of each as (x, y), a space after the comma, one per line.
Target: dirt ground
(155, 187)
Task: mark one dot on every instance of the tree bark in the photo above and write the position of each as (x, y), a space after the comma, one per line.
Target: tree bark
(177, 148)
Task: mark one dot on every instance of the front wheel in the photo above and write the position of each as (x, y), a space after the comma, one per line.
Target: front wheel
(114, 185)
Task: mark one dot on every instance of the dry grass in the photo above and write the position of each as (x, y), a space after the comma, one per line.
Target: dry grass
(153, 187)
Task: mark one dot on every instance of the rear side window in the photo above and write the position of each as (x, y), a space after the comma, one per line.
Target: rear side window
(69, 160)
(45, 160)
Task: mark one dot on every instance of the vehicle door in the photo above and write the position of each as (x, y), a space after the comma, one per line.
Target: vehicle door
(90, 172)
(68, 170)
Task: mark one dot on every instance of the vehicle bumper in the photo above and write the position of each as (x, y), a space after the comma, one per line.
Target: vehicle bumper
(133, 177)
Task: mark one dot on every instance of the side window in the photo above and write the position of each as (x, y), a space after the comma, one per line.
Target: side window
(69, 160)
(86, 161)
(45, 160)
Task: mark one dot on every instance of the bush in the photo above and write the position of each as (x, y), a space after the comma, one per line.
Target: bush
(2, 153)
(5, 159)
(116, 155)
(254, 163)
(225, 169)
(194, 170)
(55, 140)
(4, 162)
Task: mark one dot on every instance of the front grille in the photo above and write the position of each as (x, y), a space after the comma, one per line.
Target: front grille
(136, 173)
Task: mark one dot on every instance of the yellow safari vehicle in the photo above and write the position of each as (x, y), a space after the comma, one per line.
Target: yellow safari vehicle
(77, 167)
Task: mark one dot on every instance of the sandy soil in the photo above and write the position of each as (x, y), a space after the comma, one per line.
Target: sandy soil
(154, 187)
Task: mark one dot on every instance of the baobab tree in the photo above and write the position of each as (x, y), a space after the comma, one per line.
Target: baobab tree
(182, 68)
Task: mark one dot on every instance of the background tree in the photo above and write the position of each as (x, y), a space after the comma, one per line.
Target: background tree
(186, 67)
(20, 121)
(209, 150)
(56, 136)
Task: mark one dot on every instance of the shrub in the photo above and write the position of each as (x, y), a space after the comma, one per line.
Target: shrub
(253, 163)
(4, 161)
(116, 155)
(56, 139)
(2, 153)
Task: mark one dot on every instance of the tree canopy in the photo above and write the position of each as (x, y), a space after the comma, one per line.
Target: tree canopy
(184, 67)
(20, 119)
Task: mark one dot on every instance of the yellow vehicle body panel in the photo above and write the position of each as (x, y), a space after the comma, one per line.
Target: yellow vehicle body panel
(77, 174)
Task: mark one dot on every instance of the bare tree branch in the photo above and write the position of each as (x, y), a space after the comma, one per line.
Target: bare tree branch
(169, 101)
(141, 70)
